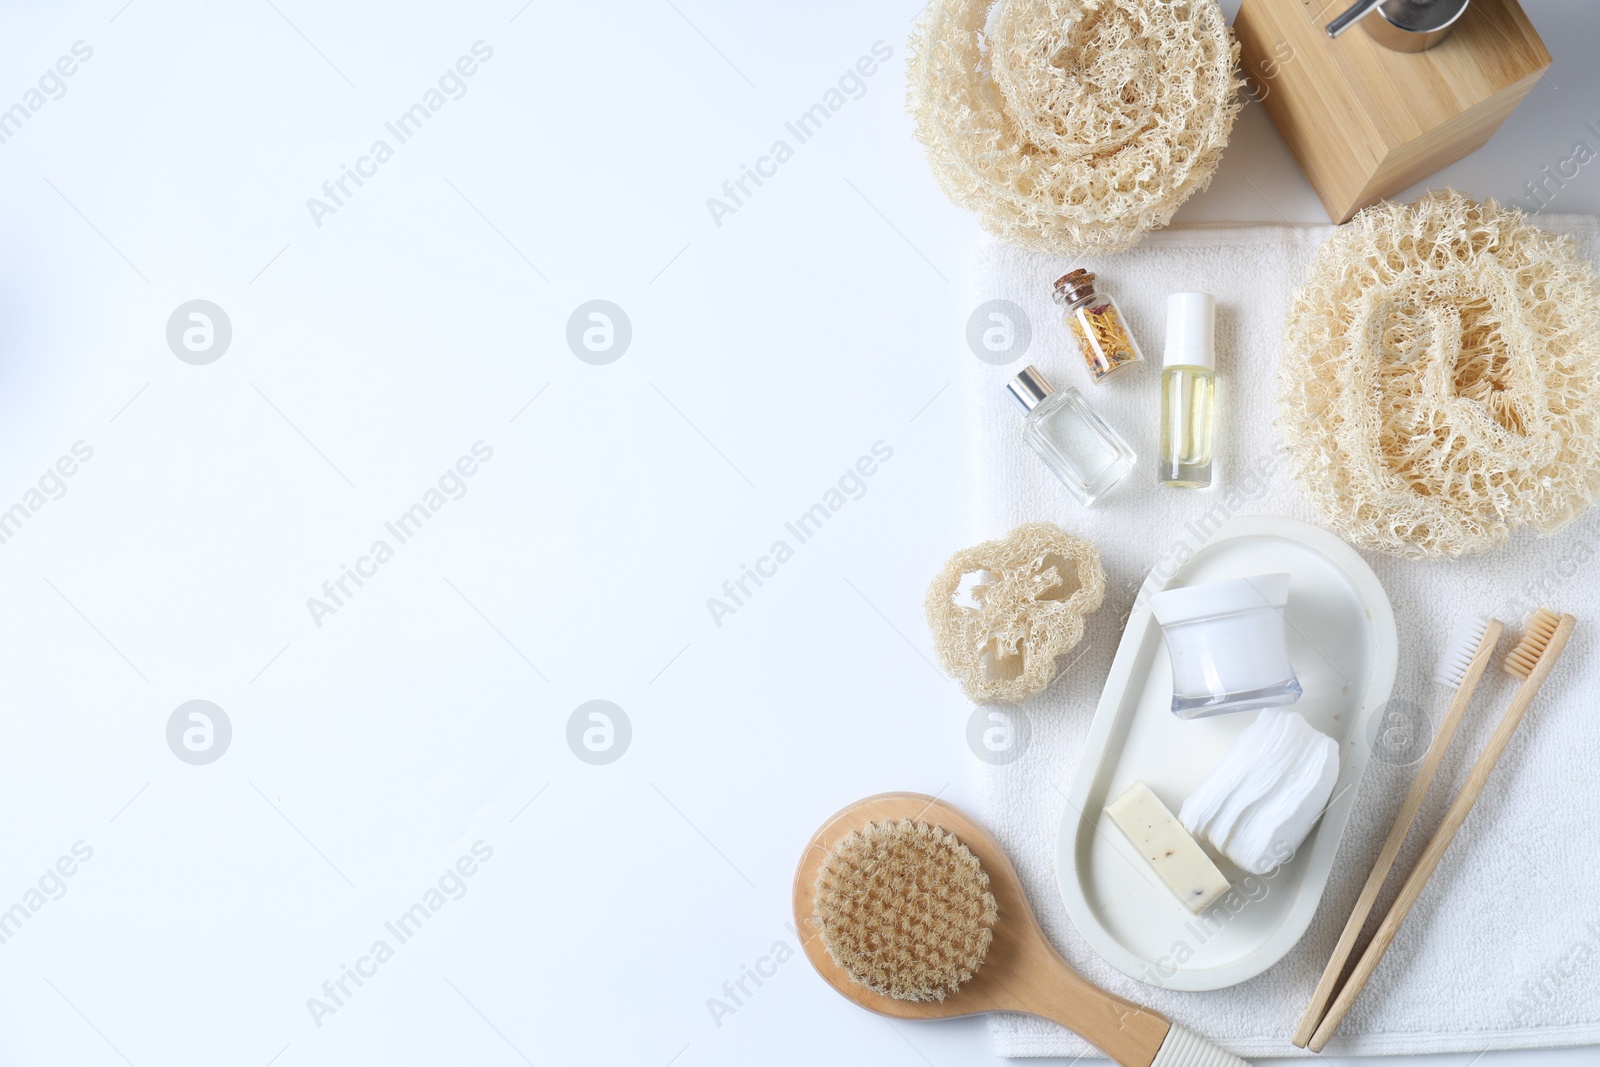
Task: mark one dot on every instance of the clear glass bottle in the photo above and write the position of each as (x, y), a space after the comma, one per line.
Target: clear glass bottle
(1075, 443)
(1097, 326)
(1188, 392)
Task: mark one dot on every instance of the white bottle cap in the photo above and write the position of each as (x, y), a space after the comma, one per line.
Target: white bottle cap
(1191, 326)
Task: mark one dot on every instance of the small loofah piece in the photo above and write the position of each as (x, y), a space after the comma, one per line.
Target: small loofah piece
(1073, 127)
(905, 909)
(1440, 382)
(1030, 593)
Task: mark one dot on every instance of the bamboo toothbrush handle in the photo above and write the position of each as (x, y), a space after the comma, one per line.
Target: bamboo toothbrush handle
(1397, 835)
(1453, 818)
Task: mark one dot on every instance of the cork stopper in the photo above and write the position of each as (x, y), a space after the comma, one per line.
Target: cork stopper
(1074, 288)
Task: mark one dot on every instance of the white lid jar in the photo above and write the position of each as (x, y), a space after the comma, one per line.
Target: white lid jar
(1229, 645)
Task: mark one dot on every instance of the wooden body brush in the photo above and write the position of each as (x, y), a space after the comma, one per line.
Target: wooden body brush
(909, 908)
(1532, 660)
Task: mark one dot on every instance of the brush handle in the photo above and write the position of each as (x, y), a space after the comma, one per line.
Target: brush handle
(1453, 818)
(1129, 1034)
(1185, 1048)
(1397, 835)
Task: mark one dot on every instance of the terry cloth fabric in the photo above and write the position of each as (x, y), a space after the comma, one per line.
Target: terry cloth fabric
(1503, 948)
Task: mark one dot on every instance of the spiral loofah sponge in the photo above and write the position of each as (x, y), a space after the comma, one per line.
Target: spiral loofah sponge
(1440, 382)
(905, 909)
(1073, 126)
(1030, 594)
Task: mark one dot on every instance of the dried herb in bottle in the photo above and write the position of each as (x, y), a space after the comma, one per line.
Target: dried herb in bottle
(1097, 326)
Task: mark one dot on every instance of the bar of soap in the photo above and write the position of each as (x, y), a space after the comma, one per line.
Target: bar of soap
(1163, 841)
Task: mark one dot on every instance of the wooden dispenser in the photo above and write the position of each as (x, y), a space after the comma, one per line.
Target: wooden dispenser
(1364, 121)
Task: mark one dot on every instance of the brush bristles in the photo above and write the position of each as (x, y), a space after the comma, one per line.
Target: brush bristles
(1535, 639)
(1461, 651)
(905, 909)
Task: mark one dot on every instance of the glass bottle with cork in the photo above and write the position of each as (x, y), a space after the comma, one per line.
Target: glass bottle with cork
(1097, 326)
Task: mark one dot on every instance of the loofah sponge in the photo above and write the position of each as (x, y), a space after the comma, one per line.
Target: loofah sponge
(905, 909)
(1073, 126)
(1030, 593)
(1440, 381)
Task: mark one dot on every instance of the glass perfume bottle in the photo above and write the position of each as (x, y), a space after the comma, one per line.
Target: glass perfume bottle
(1097, 326)
(1188, 392)
(1075, 443)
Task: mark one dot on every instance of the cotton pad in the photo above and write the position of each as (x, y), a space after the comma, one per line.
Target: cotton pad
(1257, 806)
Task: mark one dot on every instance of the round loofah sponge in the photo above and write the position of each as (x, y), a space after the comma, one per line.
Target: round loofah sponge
(1073, 126)
(1440, 381)
(905, 909)
(1029, 593)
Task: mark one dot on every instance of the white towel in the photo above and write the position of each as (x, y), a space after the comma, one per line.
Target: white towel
(1503, 949)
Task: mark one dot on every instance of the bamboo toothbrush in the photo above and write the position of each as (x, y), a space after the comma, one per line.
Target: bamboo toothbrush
(1531, 660)
(1462, 665)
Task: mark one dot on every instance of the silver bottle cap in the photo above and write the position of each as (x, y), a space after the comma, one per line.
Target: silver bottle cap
(1029, 388)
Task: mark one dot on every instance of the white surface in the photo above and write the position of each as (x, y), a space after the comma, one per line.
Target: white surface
(1342, 643)
(768, 354)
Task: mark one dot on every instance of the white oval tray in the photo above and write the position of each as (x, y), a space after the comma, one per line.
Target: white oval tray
(1343, 643)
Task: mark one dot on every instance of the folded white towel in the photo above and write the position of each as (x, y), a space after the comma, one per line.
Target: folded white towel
(1503, 949)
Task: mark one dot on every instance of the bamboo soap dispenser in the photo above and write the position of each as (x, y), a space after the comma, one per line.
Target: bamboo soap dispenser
(1366, 121)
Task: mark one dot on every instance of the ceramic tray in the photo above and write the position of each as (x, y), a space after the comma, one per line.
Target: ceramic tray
(1342, 641)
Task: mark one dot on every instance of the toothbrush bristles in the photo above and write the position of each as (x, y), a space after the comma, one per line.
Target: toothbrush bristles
(1461, 650)
(1521, 661)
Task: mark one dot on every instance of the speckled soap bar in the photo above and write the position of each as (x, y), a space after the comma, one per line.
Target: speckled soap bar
(1163, 841)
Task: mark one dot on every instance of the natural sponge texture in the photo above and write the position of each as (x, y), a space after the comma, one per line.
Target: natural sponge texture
(1440, 381)
(905, 909)
(1073, 126)
(1029, 594)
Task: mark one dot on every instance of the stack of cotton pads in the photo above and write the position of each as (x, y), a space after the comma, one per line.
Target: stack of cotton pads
(1260, 802)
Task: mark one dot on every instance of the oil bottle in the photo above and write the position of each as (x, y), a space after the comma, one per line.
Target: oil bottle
(1188, 392)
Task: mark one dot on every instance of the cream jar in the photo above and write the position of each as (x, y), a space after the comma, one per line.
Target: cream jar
(1229, 645)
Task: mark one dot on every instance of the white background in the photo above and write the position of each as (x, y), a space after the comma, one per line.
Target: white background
(430, 711)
